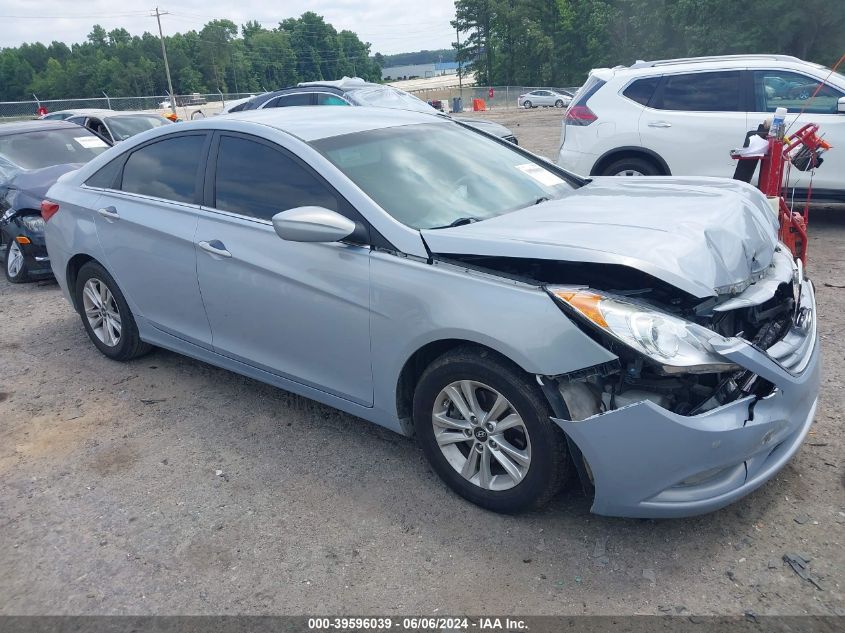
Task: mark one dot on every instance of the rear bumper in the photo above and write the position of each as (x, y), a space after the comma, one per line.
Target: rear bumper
(649, 462)
(576, 162)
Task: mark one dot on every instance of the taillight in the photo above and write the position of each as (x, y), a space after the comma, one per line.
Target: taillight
(48, 209)
(579, 115)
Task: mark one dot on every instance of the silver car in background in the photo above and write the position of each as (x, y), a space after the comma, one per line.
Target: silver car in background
(543, 98)
(528, 326)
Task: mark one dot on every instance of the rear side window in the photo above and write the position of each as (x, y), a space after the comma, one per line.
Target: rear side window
(701, 92)
(106, 177)
(642, 90)
(165, 169)
(296, 99)
(257, 180)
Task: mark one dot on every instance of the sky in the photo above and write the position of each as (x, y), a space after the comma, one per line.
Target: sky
(391, 26)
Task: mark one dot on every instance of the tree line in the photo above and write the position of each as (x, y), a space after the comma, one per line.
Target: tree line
(557, 42)
(219, 57)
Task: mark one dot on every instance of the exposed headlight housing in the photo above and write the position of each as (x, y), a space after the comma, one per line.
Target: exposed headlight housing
(678, 346)
(33, 222)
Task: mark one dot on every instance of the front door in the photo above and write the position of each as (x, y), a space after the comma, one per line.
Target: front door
(694, 120)
(299, 310)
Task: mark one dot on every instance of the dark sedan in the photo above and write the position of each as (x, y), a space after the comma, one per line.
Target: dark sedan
(32, 157)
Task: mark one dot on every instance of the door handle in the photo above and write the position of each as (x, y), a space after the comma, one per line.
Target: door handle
(660, 124)
(215, 247)
(109, 213)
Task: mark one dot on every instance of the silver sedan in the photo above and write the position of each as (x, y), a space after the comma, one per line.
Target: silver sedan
(527, 325)
(544, 98)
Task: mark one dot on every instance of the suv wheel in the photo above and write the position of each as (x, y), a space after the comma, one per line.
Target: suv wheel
(632, 166)
(485, 428)
(106, 315)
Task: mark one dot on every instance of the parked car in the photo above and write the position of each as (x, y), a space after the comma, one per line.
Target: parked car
(683, 116)
(63, 115)
(517, 319)
(544, 98)
(32, 156)
(116, 126)
(355, 91)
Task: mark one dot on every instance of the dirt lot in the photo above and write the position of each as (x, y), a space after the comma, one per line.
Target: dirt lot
(168, 486)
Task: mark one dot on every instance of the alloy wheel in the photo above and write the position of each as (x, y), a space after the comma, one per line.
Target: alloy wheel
(102, 312)
(628, 172)
(14, 259)
(481, 435)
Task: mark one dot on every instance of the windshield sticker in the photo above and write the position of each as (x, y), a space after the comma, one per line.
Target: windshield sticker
(543, 176)
(90, 141)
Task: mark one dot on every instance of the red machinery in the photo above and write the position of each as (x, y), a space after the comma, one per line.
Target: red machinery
(803, 150)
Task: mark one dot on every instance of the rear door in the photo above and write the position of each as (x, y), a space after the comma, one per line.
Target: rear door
(694, 120)
(146, 223)
(299, 310)
(794, 91)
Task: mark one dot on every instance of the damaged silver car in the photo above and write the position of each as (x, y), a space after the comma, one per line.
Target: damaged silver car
(650, 338)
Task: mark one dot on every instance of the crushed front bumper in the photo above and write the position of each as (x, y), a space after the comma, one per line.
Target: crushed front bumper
(646, 461)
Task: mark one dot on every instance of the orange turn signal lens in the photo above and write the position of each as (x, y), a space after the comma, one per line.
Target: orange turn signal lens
(586, 303)
(22, 239)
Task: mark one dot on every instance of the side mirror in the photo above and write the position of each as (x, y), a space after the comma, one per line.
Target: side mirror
(840, 106)
(312, 224)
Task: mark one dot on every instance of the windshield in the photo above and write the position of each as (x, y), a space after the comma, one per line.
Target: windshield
(45, 148)
(387, 97)
(436, 174)
(122, 127)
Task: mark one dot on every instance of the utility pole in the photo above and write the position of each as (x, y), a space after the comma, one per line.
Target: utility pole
(158, 15)
(460, 81)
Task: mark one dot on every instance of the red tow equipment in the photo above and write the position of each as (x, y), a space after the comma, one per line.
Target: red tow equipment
(803, 150)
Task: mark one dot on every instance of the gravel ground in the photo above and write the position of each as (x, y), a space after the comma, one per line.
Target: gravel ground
(166, 486)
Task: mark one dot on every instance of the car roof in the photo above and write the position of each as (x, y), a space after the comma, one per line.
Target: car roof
(311, 123)
(77, 111)
(113, 113)
(34, 126)
(687, 64)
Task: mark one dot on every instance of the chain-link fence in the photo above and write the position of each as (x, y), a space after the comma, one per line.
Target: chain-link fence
(196, 105)
(187, 106)
(504, 97)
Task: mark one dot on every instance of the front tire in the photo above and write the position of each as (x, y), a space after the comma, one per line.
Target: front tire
(15, 265)
(485, 428)
(559, 103)
(106, 315)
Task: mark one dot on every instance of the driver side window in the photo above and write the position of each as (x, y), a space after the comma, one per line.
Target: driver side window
(793, 91)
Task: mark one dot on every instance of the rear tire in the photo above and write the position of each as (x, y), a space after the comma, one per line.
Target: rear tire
(15, 262)
(631, 166)
(106, 315)
(522, 459)
(527, 105)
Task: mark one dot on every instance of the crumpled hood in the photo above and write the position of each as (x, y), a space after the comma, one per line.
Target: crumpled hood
(705, 236)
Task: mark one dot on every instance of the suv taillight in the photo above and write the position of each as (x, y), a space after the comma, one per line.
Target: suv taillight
(48, 209)
(579, 115)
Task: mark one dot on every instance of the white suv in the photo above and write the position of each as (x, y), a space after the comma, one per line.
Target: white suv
(681, 117)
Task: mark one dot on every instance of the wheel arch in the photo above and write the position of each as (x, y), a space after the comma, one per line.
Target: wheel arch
(74, 265)
(630, 151)
(417, 362)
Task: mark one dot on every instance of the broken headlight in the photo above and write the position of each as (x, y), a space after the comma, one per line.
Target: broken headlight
(676, 345)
